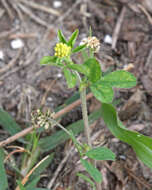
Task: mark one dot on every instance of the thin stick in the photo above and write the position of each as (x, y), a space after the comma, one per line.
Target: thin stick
(6, 33)
(25, 179)
(8, 73)
(23, 35)
(46, 93)
(65, 15)
(32, 16)
(30, 129)
(41, 7)
(59, 168)
(141, 181)
(11, 63)
(10, 14)
(2, 11)
(118, 27)
(146, 13)
(18, 11)
(148, 61)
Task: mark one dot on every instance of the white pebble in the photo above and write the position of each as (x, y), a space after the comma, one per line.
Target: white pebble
(17, 43)
(108, 39)
(57, 4)
(123, 157)
(59, 75)
(1, 55)
(50, 99)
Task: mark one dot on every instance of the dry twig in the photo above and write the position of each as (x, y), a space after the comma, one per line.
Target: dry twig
(40, 7)
(18, 11)
(118, 27)
(10, 72)
(50, 184)
(65, 15)
(96, 10)
(148, 61)
(25, 179)
(18, 149)
(138, 180)
(22, 35)
(6, 6)
(5, 34)
(30, 129)
(2, 11)
(146, 13)
(32, 16)
(46, 93)
(11, 63)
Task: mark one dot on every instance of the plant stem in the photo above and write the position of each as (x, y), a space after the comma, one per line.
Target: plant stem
(84, 111)
(86, 126)
(86, 122)
(85, 115)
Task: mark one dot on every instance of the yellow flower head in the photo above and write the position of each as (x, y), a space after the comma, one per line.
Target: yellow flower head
(62, 50)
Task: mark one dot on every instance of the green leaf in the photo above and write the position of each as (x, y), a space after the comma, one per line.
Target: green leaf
(20, 185)
(94, 69)
(41, 167)
(8, 123)
(102, 92)
(73, 38)
(80, 68)
(48, 60)
(100, 153)
(61, 37)
(50, 142)
(87, 179)
(119, 79)
(85, 55)
(78, 48)
(141, 144)
(32, 184)
(3, 177)
(71, 78)
(94, 172)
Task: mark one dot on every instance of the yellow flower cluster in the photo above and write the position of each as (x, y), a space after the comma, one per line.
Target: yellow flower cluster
(62, 50)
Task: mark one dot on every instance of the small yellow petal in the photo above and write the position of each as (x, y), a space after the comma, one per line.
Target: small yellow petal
(62, 50)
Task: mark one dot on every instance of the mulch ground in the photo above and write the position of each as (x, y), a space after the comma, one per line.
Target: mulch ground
(25, 85)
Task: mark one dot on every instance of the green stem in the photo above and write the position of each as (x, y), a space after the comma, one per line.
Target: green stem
(85, 115)
(84, 112)
(86, 122)
(78, 145)
(86, 126)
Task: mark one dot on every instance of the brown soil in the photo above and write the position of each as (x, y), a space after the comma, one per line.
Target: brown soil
(23, 82)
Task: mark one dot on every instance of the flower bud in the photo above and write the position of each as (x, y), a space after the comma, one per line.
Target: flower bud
(62, 50)
(92, 42)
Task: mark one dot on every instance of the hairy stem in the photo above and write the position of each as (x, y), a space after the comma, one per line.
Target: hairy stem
(84, 112)
(86, 126)
(85, 115)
